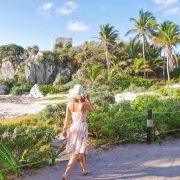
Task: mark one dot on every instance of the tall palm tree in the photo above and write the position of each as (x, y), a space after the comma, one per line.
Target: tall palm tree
(167, 37)
(144, 27)
(108, 37)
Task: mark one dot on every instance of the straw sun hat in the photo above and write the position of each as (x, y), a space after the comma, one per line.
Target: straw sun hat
(77, 92)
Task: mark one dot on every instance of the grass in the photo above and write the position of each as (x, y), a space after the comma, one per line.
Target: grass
(29, 120)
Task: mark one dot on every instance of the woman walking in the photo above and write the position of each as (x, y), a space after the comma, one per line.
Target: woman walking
(77, 136)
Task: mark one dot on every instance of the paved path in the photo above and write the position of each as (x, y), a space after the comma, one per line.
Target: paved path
(129, 162)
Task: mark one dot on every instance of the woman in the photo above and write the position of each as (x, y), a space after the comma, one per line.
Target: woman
(77, 137)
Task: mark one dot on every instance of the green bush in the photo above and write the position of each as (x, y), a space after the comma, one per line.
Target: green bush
(20, 89)
(8, 83)
(170, 92)
(111, 122)
(124, 82)
(175, 73)
(26, 141)
(49, 89)
(54, 114)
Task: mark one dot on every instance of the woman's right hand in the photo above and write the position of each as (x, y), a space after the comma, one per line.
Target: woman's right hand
(65, 133)
(88, 97)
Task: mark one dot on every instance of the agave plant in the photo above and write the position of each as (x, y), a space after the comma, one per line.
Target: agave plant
(55, 153)
(3, 176)
(7, 160)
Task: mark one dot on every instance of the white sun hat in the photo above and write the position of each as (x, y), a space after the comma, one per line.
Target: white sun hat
(77, 90)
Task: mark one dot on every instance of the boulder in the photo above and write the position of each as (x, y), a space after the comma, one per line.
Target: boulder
(3, 89)
(7, 70)
(35, 92)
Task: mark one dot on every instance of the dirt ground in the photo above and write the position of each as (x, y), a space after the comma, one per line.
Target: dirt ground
(129, 162)
(13, 106)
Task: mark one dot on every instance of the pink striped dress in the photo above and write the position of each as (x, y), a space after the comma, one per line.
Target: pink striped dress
(78, 133)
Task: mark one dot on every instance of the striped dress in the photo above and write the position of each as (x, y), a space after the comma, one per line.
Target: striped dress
(78, 133)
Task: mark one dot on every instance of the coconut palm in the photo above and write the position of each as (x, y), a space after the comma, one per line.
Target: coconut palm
(93, 74)
(108, 37)
(167, 37)
(133, 48)
(144, 26)
(138, 66)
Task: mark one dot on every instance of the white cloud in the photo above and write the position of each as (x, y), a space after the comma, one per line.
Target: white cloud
(165, 2)
(68, 8)
(77, 26)
(46, 8)
(172, 11)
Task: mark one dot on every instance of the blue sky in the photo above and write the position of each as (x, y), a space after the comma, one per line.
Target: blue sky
(39, 22)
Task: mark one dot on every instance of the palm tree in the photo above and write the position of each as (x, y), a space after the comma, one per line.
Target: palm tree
(108, 37)
(167, 37)
(144, 26)
(93, 74)
(133, 48)
(138, 66)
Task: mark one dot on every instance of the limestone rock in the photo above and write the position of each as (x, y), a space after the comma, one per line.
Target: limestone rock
(3, 89)
(35, 92)
(66, 72)
(40, 73)
(7, 70)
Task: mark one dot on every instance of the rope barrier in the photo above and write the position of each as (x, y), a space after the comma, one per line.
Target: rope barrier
(117, 120)
(166, 112)
(96, 123)
(173, 130)
(27, 133)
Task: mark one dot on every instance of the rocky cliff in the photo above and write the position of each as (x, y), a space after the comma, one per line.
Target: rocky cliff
(35, 69)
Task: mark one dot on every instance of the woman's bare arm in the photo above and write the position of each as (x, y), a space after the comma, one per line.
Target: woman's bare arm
(89, 106)
(67, 118)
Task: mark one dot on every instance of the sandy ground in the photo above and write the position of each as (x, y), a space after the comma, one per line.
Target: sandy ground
(13, 106)
(129, 162)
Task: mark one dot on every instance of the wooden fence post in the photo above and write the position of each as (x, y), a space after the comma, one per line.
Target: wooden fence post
(149, 126)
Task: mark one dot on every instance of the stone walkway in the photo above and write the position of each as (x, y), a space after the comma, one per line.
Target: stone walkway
(129, 162)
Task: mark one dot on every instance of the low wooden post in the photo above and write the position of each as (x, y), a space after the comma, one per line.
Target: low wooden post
(149, 126)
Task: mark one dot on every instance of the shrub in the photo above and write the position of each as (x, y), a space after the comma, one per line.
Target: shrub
(142, 82)
(54, 114)
(26, 141)
(49, 89)
(21, 89)
(170, 92)
(8, 83)
(124, 82)
(176, 72)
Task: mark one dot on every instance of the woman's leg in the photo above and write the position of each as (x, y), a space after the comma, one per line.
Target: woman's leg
(70, 166)
(83, 163)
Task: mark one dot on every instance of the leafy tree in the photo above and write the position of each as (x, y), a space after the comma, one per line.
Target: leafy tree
(108, 37)
(167, 37)
(11, 50)
(93, 74)
(133, 48)
(144, 27)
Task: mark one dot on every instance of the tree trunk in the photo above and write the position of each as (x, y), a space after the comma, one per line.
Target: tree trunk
(107, 60)
(168, 73)
(144, 56)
